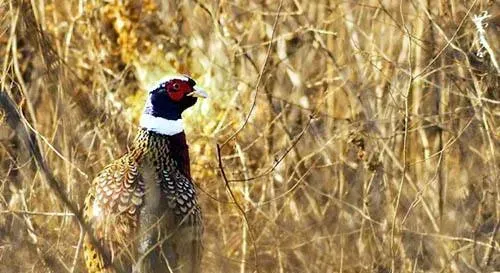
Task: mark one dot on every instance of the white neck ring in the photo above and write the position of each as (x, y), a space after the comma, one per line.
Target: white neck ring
(161, 125)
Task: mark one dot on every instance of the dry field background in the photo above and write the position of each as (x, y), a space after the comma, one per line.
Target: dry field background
(355, 136)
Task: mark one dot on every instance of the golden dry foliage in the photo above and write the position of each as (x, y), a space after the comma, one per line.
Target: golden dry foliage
(354, 136)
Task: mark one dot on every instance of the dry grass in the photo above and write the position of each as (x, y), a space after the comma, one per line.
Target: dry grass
(355, 136)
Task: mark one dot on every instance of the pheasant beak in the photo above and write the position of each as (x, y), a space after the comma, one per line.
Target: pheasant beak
(198, 92)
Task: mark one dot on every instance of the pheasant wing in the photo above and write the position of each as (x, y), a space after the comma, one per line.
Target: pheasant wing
(111, 208)
(186, 236)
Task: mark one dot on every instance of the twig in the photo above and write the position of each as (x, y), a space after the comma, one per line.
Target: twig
(254, 100)
(61, 214)
(243, 213)
(78, 247)
(491, 245)
(405, 141)
(278, 161)
(449, 41)
(29, 138)
(480, 25)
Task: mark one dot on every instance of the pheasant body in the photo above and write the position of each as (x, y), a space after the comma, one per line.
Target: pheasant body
(143, 210)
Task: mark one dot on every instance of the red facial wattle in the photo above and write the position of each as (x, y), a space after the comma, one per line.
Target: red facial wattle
(175, 96)
(177, 90)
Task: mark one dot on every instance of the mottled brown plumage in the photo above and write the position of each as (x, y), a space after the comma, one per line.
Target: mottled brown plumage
(143, 210)
(142, 207)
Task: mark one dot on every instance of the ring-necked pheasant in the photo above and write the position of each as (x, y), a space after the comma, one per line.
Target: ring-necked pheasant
(142, 207)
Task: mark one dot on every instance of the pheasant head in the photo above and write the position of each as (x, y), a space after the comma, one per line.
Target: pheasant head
(166, 101)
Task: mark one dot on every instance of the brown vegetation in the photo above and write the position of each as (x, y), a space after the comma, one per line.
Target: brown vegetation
(354, 136)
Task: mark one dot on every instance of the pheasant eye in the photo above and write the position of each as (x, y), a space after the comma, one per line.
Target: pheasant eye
(175, 86)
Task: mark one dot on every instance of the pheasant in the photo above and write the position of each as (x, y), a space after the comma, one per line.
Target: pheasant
(142, 208)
